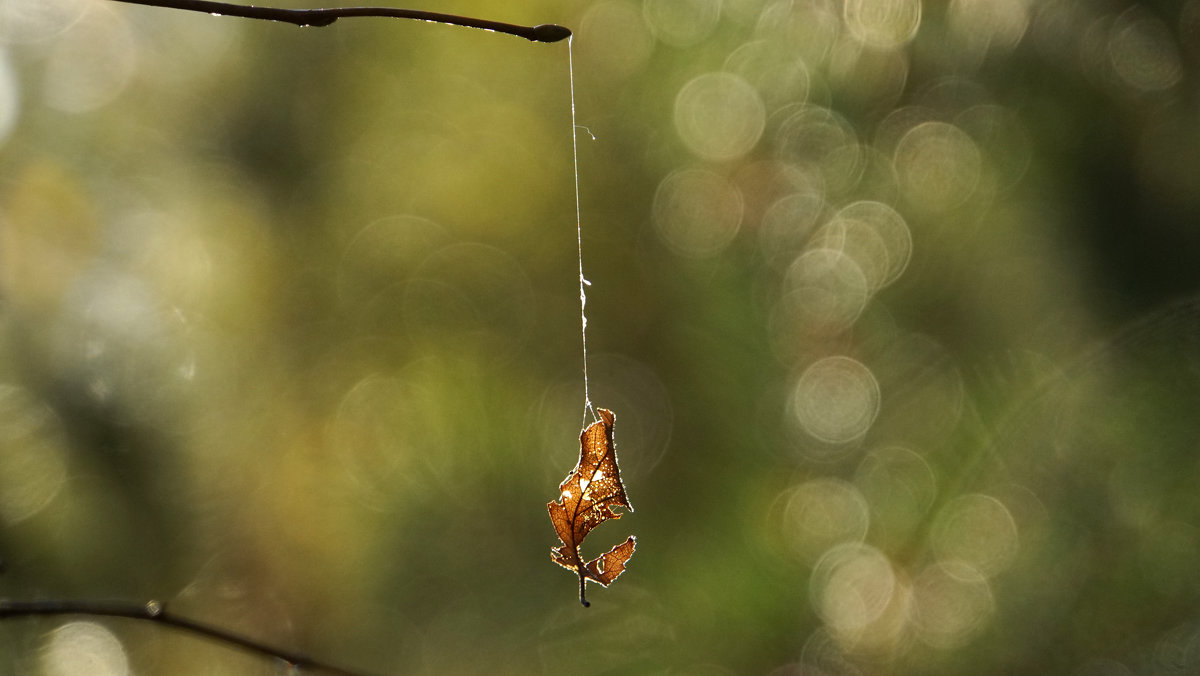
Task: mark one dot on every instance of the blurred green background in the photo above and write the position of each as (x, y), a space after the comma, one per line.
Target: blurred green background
(895, 303)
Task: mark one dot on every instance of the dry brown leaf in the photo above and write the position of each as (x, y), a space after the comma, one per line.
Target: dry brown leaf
(586, 500)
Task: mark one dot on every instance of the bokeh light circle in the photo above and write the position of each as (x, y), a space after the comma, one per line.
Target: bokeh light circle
(719, 116)
(899, 486)
(814, 136)
(697, 213)
(939, 166)
(377, 260)
(951, 603)
(788, 222)
(985, 25)
(851, 586)
(681, 23)
(775, 71)
(822, 513)
(470, 290)
(875, 236)
(1003, 139)
(1142, 51)
(836, 399)
(372, 432)
(26, 21)
(10, 97)
(77, 648)
(823, 653)
(32, 453)
(824, 291)
(883, 24)
(614, 42)
(92, 63)
(978, 530)
(864, 77)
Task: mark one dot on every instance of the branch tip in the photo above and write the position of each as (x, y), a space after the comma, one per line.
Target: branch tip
(549, 32)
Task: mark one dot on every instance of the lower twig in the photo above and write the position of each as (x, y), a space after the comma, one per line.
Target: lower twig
(154, 611)
(324, 17)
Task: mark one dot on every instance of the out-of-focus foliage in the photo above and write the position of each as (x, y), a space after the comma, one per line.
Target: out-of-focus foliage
(894, 300)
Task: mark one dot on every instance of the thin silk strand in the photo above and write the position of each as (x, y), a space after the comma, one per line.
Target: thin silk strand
(583, 282)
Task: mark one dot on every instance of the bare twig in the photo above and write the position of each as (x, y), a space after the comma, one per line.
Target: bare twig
(154, 611)
(324, 17)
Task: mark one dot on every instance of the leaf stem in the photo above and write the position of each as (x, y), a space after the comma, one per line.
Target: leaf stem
(154, 611)
(582, 588)
(324, 17)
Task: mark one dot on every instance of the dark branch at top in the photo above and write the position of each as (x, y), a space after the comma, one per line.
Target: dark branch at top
(324, 17)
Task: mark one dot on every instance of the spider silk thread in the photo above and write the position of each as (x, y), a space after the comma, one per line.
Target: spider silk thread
(583, 282)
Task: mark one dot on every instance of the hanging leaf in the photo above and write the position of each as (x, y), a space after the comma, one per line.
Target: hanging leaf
(586, 500)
